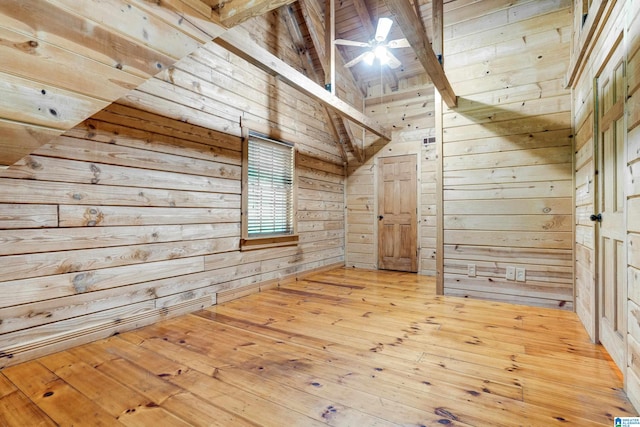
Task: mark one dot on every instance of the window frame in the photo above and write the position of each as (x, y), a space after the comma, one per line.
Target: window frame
(248, 242)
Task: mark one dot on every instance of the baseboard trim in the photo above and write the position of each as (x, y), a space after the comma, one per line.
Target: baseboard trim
(232, 294)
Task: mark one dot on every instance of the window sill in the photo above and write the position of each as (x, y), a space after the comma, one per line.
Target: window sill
(253, 243)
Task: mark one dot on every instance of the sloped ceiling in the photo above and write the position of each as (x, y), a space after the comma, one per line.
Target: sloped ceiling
(64, 60)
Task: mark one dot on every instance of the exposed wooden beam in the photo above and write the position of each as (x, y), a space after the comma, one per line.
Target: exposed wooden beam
(191, 7)
(239, 41)
(358, 152)
(316, 30)
(408, 21)
(388, 74)
(331, 117)
(333, 120)
(437, 19)
(330, 48)
(235, 12)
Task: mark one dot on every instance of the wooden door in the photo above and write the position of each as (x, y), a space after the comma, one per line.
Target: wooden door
(611, 231)
(397, 213)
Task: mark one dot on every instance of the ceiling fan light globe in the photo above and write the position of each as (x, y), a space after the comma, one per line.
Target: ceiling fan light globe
(369, 57)
(381, 53)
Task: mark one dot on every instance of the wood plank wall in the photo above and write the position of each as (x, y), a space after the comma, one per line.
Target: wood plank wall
(134, 215)
(507, 151)
(117, 44)
(622, 20)
(409, 112)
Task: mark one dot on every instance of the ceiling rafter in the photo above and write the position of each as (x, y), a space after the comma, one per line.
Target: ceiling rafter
(239, 42)
(408, 21)
(298, 41)
(317, 30)
(235, 12)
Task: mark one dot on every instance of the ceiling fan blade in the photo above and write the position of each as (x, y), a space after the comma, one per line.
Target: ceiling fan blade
(392, 61)
(357, 59)
(344, 42)
(395, 44)
(384, 26)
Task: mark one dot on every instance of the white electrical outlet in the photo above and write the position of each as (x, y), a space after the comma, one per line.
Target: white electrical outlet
(521, 275)
(511, 273)
(471, 270)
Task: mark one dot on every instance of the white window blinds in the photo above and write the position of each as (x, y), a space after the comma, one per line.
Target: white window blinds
(270, 187)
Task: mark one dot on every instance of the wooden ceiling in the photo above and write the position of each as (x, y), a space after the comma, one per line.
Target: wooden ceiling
(356, 20)
(118, 44)
(361, 26)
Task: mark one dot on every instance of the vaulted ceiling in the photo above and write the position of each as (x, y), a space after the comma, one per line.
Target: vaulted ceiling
(63, 61)
(356, 20)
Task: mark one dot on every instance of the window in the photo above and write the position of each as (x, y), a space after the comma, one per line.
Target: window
(268, 193)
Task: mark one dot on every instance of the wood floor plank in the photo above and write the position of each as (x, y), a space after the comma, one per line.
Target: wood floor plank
(382, 376)
(368, 323)
(240, 341)
(241, 402)
(61, 402)
(344, 347)
(6, 386)
(325, 409)
(408, 374)
(199, 412)
(17, 410)
(112, 396)
(487, 383)
(389, 412)
(149, 384)
(129, 407)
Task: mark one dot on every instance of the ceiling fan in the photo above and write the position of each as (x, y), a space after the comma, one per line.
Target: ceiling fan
(378, 48)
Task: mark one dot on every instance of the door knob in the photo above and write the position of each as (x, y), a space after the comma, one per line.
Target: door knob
(380, 217)
(597, 218)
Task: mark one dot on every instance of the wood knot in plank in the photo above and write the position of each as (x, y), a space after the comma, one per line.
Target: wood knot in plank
(26, 47)
(442, 412)
(93, 217)
(83, 281)
(34, 164)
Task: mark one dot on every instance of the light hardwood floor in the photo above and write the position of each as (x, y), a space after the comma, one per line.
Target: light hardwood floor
(345, 348)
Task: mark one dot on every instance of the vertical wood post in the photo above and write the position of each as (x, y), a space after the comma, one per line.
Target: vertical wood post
(439, 196)
(437, 17)
(330, 49)
(438, 49)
